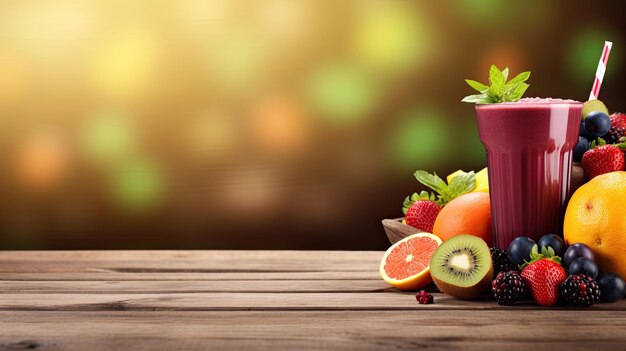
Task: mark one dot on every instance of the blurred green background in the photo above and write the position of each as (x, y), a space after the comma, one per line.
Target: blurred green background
(259, 124)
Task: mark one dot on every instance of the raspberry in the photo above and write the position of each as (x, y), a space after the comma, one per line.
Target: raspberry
(424, 298)
(501, 261)
(614, 134)
(580, 290)
(508, 287)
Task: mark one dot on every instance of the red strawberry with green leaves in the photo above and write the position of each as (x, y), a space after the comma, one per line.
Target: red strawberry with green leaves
(422, 209)
(602, 159)
(422, 213)
(543, 276)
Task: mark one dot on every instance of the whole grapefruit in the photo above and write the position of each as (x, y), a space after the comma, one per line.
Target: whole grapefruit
(596, 216)
(467, 214)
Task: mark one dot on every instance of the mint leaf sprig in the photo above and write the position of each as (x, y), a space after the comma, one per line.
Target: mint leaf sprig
(458, 186)
(499, 89)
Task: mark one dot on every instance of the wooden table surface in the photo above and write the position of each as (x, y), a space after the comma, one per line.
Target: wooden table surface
(221, 300)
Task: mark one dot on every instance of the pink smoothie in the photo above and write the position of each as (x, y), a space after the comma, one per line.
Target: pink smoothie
(529, 154)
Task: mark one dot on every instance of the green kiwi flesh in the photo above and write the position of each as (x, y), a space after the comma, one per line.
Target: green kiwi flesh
(461, 266)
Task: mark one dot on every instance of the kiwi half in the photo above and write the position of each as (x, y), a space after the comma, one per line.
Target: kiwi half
(461, 266)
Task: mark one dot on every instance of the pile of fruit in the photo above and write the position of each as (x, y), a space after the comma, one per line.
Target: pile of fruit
(459, 207)
(581, 268)
(548, 272)
(454, 251)
(556, 274)
(602, 141)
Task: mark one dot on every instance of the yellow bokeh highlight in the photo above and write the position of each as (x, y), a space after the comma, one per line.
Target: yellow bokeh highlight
(48, 30)
(285, 20)
(13, 80)
(126, 64)
(237, 61)
(392, 36)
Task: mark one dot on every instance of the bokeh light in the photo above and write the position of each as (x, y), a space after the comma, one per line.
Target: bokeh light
(250, 192)
(469, 145)
(237, 63)
(392, 36)
(342, 93)
(422, 138)
(503, 55)
(126, 64)
(149, 116)
(496, 17)
(41, 160)
(280, 124)
(138, 185)
(202, 17)
(108, 137)
(285, 21)
(50, 30)
(584, 51)
(483, 12)
(211, 135)
(13, 79)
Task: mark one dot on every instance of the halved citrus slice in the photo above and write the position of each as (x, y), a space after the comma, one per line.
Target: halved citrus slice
(406, 264)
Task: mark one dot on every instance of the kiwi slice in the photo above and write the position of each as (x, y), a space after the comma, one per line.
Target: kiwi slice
(593, 105)
(461, 266)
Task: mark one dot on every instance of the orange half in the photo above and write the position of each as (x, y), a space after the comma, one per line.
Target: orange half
(406, 264)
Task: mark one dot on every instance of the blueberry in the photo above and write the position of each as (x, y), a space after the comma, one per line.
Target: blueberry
(612, 287)
(519, 249)
(580, 148)
(575, 251)
(583, 133)
(597, 123)
(553, 241)
(583, 265)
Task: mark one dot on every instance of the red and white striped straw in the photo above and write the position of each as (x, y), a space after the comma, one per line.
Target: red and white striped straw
(604, 59)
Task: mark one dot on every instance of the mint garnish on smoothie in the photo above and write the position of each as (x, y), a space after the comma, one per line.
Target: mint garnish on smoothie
(499, 89)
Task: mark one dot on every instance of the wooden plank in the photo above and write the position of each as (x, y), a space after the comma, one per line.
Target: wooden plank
(160, 287)
(236, 301)
(340, 330)
(187, 261)
(185, 276)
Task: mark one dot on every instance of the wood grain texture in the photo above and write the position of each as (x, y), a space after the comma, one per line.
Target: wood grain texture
(265, 300)
(397, 231)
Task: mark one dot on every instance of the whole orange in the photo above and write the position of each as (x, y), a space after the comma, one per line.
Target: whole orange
(467, 214)
(596, 216)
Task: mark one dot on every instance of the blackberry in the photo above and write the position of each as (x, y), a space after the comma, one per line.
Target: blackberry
(580, 290)
(501, 261)
(614, 134)
(423, 297)
(508, 287)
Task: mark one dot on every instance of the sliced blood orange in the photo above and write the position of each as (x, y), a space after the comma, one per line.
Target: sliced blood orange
(406, 263)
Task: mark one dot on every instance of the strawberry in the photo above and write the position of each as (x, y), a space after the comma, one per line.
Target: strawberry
(422, 209)
(618, 119)
(602, 159)
(543, 276)
(422, 215)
